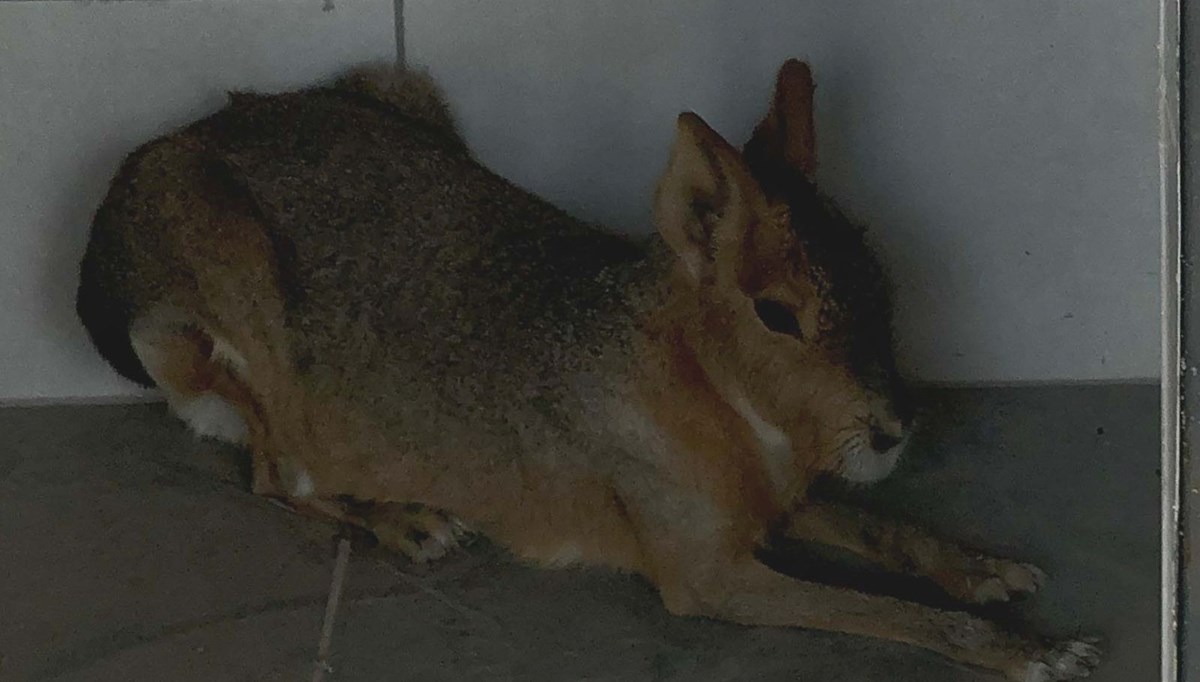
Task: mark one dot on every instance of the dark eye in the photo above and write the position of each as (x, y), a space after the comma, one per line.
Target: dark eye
(776, 317)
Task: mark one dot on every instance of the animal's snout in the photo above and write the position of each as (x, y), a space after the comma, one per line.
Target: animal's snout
(875, 451)
(901, 407)
(892, 417)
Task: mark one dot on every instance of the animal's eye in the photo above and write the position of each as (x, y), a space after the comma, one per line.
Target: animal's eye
(777, 317)
(705, 212)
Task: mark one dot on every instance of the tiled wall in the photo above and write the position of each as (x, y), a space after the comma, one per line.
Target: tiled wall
(81, 85)
(1005, 154)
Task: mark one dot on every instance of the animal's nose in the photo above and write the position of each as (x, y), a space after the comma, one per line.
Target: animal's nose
(902, 406)
(881, 441)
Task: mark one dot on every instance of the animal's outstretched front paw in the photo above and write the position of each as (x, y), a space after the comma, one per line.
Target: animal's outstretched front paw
(1002, 580)
(420, 533)
(1067, 660)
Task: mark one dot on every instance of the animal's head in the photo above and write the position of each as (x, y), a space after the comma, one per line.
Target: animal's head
(792, 320)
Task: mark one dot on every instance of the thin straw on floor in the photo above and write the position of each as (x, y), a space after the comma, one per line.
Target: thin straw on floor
(331, 606)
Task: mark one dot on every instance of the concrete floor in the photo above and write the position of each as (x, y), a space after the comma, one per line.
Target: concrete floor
(130, 551)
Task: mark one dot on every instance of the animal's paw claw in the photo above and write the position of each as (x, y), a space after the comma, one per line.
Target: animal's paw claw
(1067, 660)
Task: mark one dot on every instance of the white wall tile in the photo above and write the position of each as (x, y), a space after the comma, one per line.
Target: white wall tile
(1004, 154)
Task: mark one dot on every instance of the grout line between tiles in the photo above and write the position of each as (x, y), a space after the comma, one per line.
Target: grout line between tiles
(398, 13)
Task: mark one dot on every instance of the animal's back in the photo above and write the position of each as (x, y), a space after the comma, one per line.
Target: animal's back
(418, 287)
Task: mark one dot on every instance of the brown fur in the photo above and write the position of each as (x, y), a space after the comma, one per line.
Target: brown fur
(399, 326)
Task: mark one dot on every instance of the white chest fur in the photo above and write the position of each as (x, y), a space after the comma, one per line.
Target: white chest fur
(774, 445)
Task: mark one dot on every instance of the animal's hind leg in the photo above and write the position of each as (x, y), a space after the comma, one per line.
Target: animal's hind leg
(420, 533)
(186, 364)
(203, 379)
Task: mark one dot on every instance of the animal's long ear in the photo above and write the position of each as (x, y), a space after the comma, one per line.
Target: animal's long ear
(787, 134)
(706, 199)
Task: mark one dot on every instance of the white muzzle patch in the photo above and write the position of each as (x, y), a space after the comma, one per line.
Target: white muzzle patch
(863, 464)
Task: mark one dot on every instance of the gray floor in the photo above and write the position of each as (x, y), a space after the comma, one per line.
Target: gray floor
(130, 551)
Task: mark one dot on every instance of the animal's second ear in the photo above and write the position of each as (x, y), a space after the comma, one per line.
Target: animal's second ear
(787, 135)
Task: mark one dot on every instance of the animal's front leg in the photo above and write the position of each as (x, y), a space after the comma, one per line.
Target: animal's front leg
(749, 593)
(971, 577)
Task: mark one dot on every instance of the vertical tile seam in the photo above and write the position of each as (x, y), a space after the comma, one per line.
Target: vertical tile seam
(398, 13)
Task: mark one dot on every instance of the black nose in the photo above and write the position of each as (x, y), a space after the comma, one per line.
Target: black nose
(882, 442)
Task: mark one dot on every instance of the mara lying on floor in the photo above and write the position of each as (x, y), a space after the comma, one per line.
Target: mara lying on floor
(329, 277)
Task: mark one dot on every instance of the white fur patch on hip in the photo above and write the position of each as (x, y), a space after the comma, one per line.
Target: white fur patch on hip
(210, 415)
